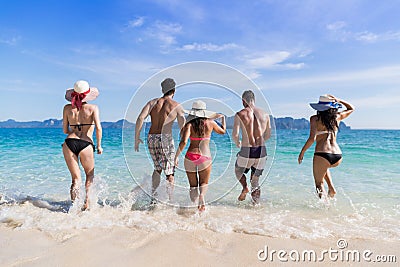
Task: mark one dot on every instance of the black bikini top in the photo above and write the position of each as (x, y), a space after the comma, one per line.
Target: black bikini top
(79, 126)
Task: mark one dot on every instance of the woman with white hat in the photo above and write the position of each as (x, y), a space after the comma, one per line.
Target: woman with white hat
(79, 121)
(323, 129)
(198, 128)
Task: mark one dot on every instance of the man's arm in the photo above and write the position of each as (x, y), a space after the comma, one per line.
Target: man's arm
(219, 129)
(180, 116)
(267, 131)
(99, 130)
(139, 124)
(235, 130)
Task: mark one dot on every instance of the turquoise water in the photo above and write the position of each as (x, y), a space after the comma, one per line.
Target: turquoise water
(34, 188)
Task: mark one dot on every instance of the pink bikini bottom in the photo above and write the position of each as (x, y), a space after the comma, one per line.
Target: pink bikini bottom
(197, 159)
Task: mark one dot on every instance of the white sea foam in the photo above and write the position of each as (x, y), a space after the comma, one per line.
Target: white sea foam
(310, 220)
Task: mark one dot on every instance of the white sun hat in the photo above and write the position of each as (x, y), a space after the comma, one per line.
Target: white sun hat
(199, 109)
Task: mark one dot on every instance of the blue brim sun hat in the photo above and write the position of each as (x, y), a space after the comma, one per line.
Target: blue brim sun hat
(325, 103)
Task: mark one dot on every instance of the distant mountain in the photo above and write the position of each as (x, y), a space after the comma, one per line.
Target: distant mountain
(54, 123)
(118, 124)
(299, 124)
(50, 123)
(280, 123)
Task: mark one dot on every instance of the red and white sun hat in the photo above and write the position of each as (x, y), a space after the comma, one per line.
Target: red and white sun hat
(81, 92)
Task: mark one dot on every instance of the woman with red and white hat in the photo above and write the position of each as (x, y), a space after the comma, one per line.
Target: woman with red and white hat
(79, 121)
(323, 130)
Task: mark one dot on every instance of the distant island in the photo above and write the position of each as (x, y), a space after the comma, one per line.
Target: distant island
(286, 123)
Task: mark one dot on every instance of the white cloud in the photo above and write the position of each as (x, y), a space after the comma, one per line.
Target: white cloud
(338, 25)
(366, 36)
(268, 59)
(373, 37)
(293, 66)
(89, 50)
(253, 74)
(337, 31)
(378, 101)
(208, 47)
(378, 75)
(276, 60)
(165, 32)
(10, 41)
(136, 22)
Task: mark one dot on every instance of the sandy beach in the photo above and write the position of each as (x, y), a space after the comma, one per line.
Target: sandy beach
(122, 246)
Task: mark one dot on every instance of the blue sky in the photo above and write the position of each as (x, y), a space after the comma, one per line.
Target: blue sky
(293, 50)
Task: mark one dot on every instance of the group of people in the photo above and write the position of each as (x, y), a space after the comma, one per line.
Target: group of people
(251, 130)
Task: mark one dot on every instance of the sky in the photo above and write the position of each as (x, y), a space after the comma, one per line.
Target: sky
(294, 51)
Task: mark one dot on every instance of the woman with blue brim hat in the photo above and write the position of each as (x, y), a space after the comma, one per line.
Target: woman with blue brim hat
(324, 127)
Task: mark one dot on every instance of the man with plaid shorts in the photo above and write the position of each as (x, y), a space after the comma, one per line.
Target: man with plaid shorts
(254, 123)
(163, 111)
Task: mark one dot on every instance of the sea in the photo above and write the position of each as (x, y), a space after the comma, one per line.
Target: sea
(35, 182)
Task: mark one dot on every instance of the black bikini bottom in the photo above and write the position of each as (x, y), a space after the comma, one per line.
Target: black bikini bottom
(77, 145)
(332, 158)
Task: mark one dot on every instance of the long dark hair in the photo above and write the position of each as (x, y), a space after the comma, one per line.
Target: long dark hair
(198, 125)
(329, 119)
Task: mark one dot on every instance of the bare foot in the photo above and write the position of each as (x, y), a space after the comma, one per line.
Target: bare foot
(320, 192)
(202, 204)
(331, 192)
(255, 195)
(85, 206)
(242, 195)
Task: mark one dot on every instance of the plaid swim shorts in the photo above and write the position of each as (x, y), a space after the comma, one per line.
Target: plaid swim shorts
(162, 151)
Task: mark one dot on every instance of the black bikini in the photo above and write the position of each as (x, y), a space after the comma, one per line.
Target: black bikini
(79, 126)
(77, 145)
(332, 158)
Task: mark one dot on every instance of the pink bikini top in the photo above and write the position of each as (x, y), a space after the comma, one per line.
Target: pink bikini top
(199, 138)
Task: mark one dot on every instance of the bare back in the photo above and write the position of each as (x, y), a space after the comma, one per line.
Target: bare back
(325, 141)
(201, 146)
(163, 114)
(73, 116)
(255, 126)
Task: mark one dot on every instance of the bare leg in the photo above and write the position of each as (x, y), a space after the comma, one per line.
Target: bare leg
(191, 172)
(204, 176)
(320, 167)
(72, 163)
(194, 194)
(242, 179)
(255, 188)
(87, 161)
(155, 180)
(170, 186)
(194, 186)
(331, 188)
